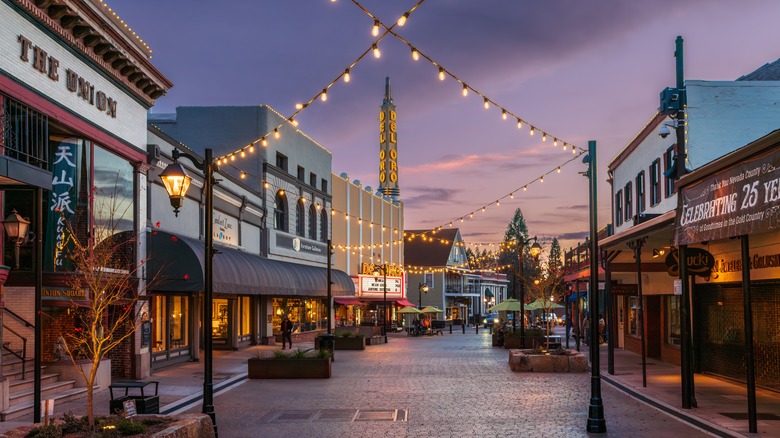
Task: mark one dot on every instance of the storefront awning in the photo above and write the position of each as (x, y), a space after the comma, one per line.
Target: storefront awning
(577, 295)
(176, 265)
(488, 293)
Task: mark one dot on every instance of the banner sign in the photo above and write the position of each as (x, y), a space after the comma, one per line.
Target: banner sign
(742, 199)
(62, 203)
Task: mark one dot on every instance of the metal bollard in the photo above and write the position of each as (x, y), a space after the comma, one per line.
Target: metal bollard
(491, 329)
(463, 326)
(450, 328)
(476, 328)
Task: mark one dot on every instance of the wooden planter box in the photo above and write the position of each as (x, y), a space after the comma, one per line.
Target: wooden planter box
(289, 368)
(358, 343)
(513, 341)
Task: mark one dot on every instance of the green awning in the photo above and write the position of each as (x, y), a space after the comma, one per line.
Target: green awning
(488, 293)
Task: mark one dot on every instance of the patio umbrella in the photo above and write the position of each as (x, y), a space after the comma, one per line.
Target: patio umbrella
(431, 309)
(410, 310)
(510, 305)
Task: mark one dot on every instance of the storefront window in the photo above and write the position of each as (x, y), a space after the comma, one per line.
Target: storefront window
(633, 321)
(219, 318)
(306, 314)
(244, 311)
(170, 322)
(114, 192)
(673, 321)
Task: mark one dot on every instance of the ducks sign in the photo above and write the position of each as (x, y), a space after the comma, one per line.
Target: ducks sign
(699, 261)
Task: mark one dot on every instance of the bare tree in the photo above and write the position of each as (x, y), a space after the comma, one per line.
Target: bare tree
(104, 266)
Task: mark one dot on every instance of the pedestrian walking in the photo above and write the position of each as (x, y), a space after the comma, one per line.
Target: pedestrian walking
(287, 327)
(602, 326)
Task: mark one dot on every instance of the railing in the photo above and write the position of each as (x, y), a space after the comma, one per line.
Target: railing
(23, 355)
(24, 133)
(6, 345)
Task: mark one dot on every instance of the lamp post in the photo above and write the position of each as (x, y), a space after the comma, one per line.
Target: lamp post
(176, 182)
(596, 422)
(383, 269)
(423, 290)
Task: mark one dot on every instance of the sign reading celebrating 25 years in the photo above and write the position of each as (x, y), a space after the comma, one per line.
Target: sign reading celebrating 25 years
(742, 199)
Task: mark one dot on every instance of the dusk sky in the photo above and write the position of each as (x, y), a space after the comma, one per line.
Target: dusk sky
(579, 70)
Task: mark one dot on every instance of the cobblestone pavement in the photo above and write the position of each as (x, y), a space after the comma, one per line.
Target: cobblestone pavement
(444, 386)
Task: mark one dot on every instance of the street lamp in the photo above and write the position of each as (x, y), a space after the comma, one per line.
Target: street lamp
(383, 269)
(176, 182)
(596, 422)
(535, 250)
(16, 230)
(423, 290)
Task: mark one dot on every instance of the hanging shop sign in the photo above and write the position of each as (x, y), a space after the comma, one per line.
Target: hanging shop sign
(300, 245)
(742, 199)
(699, 261)
(64, 195)
(388, 152)
(225, 228)
(40, 60)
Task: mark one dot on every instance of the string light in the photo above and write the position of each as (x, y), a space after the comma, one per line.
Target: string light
(519, 124)
(375, 29)
(264, 142)
(531, 131)
(503, 114)
(324, 95)
(276, 133)
(402, 20)
(299, 106)
(487, 103)
(415, 54)
(377, 53)
(465, 90)
(347, 77)
(559, 169)
(441, 73)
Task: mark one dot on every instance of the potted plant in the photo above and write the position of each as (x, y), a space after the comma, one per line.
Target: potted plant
(297, 364)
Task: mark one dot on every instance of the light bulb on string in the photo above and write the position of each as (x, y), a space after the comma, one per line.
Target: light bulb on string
(441, 73)
(377, 53)
(243, 174)
(559, 169)
(498, 204)
(503, 114)
(487, 104)
(415, 54)
(243, 154)
(519, 124)
(483, 209)
(512, 195)
(299, 106)
(375, 29)
(465, 90)
(263, 141)
(544, 137)
(541, 179)
(564, 146)
(232, 157)
(251, 149)
(525, 188)
(347, 77)
(402, 20)
(555, 142)
(573, 151)
(276, 133)
(531, 132)
(324, 95)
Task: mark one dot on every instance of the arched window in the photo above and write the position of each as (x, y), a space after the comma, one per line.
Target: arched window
(312, 222)
(300, 219)
(280, 211)
(323, 225)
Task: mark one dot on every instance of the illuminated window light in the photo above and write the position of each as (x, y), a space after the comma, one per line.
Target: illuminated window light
(487, 104)
(441, 73)
(465, 90)
(346, 75)
(324, 95)
(503, 114)
(276, 133)
(375, 28)
(415, 54)
(377, 53)
(402, 20)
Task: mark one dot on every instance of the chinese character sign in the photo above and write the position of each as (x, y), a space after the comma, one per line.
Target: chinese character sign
(62, 201)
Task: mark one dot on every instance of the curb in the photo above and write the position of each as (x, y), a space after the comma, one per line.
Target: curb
(193, 400)
(693, 420)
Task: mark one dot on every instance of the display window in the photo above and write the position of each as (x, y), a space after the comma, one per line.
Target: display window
(306, 314)
(673, 320)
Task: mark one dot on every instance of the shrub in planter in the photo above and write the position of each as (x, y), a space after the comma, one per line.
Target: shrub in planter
(349, 341)
(298, 364)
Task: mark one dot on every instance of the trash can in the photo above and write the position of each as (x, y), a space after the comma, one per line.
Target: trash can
(327, 342)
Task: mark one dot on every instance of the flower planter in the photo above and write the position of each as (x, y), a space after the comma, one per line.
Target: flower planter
(357, 343)
(289, 368)
(527, 360)
(376, 340)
